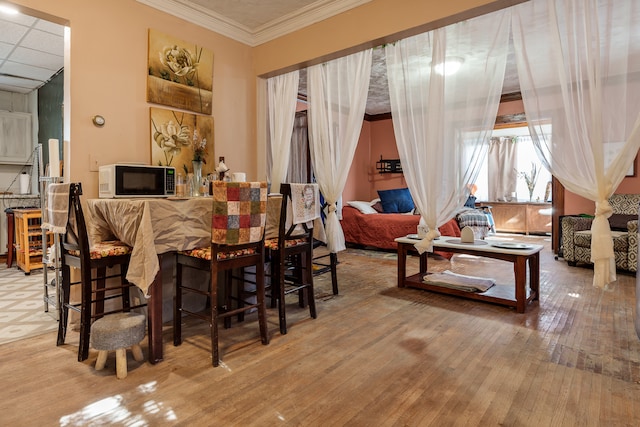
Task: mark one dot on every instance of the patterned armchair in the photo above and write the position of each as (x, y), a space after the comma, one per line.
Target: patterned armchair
(576, 234)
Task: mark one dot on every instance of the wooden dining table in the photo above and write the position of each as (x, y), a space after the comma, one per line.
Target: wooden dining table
(153, 228)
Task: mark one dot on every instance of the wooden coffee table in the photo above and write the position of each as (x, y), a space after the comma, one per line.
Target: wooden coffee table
(517, 297)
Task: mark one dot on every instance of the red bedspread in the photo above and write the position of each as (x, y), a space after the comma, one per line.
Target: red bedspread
(380, 230)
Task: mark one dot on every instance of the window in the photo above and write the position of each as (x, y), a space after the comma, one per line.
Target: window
(512, 177)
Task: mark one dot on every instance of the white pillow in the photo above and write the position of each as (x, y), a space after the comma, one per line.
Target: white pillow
(364, 207)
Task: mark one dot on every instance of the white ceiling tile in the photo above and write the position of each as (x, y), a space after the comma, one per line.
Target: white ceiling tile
(14, 88)
(12, 33)
(21, 19)
(30, 48)
(42, 41)
(5, 49)
(29, 71)
(52, 62)
(49, 27)
(23, 84)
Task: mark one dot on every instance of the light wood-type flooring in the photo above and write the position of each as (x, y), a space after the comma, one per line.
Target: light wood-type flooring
(375, 356)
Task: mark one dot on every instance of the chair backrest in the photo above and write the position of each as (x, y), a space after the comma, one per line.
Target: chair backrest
(76, 236)
(239, 212)
(300, 207)
(274, 205)
(626, 204)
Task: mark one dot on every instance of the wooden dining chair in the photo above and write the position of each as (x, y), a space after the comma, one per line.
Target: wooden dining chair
(92, 263)
(237, 241)
(291, 253)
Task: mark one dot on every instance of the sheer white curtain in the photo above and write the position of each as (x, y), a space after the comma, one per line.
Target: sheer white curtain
(282, 92)
(337, 99)
(502, 180)
(443, 122)
(298, 162)
(577, 73)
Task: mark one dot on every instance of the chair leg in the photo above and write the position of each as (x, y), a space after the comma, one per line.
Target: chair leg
(308, 280)
(241, 294)
(262, 308)
(228, 297)
(126, 290)
(177, 308)
(282, 317)
(300, 275)
(334, 275)
(85, 316)
(213, 321)
(63, 301)
(101, 283)
(273, 288)
(312, 302)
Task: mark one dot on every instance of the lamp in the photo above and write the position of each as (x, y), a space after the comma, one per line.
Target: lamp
(449, 66)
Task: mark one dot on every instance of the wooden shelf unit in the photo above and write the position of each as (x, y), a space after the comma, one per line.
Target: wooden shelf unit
(521, 217)
(29, 239)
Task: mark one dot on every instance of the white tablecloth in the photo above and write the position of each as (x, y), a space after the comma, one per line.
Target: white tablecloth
(151, 227)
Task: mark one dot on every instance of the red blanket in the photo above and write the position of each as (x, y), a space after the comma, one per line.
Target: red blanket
(380, 230)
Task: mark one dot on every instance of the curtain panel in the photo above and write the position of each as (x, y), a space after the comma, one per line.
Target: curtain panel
(577, 74)
(338, 93)
(502, 164)
(443, 118)
(298, 172)
(282, 92)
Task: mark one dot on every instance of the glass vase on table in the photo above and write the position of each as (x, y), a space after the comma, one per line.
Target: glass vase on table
(196, 183)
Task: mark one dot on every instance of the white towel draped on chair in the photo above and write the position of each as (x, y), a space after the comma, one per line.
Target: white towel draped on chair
(305, 202)
(56, 208)
(304, 206)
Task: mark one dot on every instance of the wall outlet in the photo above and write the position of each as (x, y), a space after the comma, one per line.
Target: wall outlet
(93, 163)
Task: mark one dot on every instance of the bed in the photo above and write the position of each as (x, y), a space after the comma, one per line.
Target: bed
(378, 230)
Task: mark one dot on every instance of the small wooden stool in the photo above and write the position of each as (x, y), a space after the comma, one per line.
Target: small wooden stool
(117, 332)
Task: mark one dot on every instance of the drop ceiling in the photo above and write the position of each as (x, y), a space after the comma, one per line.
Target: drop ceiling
(31, 52)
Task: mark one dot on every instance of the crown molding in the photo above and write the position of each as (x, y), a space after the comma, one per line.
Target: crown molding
(206, 18)
(203, 17)
(308, 15)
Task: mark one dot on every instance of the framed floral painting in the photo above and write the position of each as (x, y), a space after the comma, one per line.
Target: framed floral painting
(180, 73)
(179, 138)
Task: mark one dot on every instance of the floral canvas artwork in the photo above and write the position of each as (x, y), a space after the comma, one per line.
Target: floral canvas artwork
(180, 73)
(179, 138)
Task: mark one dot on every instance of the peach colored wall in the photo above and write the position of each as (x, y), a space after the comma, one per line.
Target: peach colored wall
(574, 204)
(377, 139)
(107, 75)
(383, 143)
(371, 24)
(356, 187)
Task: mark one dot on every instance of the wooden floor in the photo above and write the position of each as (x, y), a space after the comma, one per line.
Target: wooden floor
(375, 356)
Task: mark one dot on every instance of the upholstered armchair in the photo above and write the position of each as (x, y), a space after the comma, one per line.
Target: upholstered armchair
(576, 234)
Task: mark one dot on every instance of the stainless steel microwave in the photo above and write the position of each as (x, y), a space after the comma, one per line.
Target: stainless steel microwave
(131, 180)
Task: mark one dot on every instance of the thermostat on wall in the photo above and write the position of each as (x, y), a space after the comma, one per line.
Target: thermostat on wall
(98, 121)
